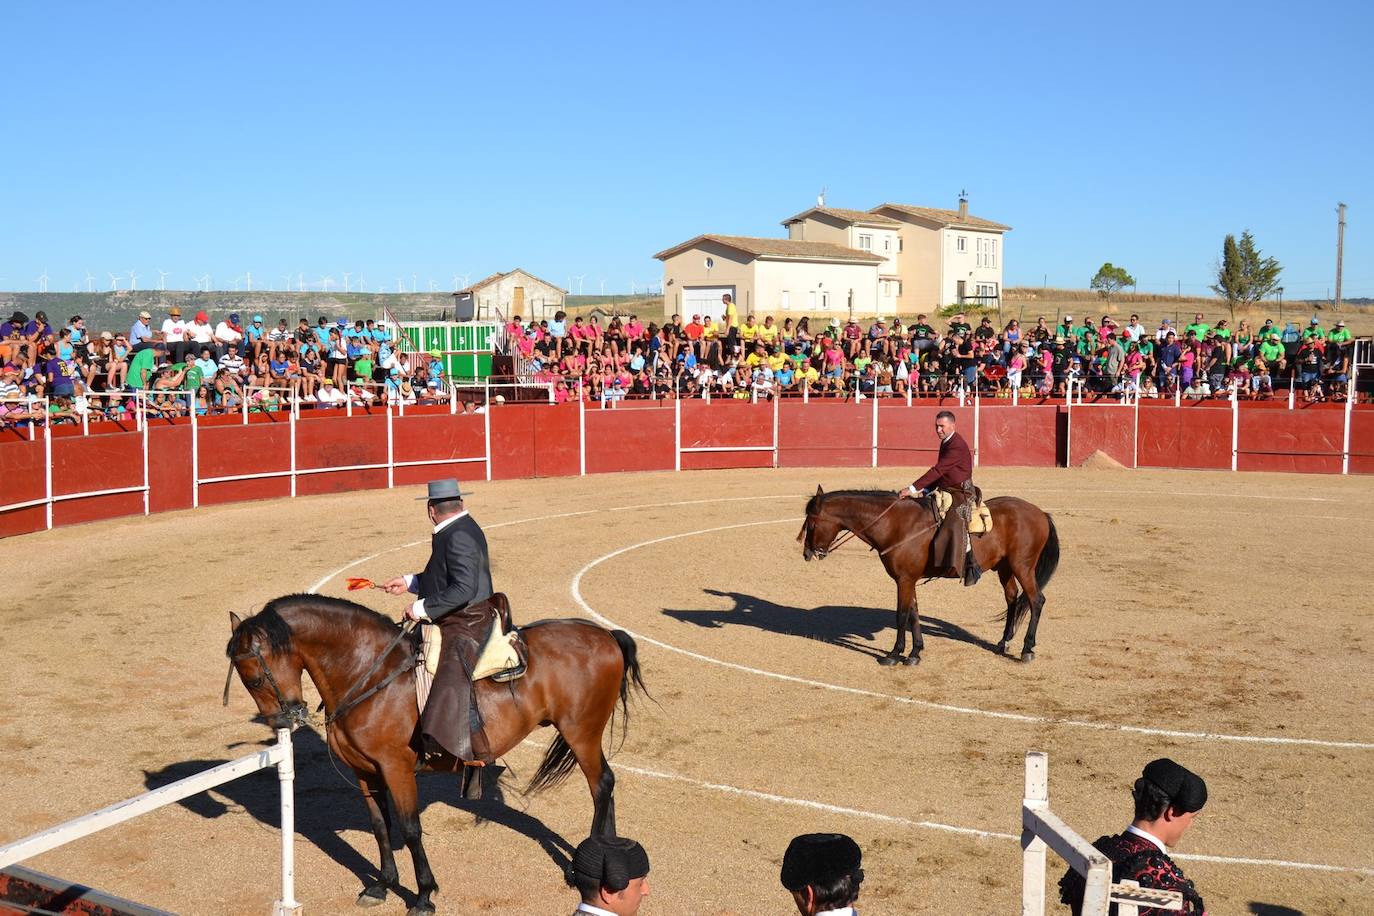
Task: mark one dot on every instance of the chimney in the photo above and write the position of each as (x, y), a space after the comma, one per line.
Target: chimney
(963, 205)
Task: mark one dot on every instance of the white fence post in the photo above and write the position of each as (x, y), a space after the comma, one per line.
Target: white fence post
(777, 401)
(1235, 429)
(677, 434)
(1350, 393)
(47, 461)
(875, 421)
(286, 905)
(390, 451)
(486, 431)
(195, 457)
(1037, 798)
(977, 418)
(581, 429)
(143, 431)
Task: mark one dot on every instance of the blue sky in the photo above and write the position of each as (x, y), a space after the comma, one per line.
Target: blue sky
(432, 140)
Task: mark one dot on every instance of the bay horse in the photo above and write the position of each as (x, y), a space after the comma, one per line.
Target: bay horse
(1023, 547)
(577, 674)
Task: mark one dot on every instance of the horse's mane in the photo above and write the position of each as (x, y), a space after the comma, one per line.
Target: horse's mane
(813, 504)
(276, 633)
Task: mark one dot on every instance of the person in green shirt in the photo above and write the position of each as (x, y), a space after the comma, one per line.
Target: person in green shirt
(143, 365)
(1085, 331)
(1271, 351)
(1199, 326)
(1064, 328)
(1314, 330)
(1222, 331)
(960, 325)
(1269, 331)
(1340, 334)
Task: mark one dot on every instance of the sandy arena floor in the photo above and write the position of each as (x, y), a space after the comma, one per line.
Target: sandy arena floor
(1214, 604)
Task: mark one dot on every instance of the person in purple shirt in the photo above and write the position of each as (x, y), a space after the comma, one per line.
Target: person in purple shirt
(38, 331)
(61, 375)
(141, 334)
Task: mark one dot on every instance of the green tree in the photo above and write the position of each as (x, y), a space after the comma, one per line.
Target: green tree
(1244, 274)
(1110, 279)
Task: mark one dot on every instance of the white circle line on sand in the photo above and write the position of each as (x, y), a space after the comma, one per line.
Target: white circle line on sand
(576, 591)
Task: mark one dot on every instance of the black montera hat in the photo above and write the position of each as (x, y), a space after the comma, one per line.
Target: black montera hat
(611, 862)
(1186, 790)
(819, 858)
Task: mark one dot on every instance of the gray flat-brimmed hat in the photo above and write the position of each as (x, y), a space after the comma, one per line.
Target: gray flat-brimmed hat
(443, 489)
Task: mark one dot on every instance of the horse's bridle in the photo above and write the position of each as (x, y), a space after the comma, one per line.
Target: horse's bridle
(296, 712)
(845, 536)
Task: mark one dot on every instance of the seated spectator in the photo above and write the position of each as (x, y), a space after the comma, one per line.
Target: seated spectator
(823, 872)
(611, 874)
(1167, 798)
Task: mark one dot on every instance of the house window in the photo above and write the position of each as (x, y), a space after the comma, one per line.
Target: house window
(992, 251)
(899, 244)
(961, 244)
(865, 243)
(887, 243)
(825, 300)
(898, 284)
(710, 262)
(786, 300)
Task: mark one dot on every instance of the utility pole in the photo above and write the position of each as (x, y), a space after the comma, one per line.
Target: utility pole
(1340, 252)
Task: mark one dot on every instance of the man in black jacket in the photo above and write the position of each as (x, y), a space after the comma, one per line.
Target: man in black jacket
(453, 590)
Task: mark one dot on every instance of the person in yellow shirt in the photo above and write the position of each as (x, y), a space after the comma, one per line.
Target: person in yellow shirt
(756, 357)
(809, 376)
(709, 331)
(768, 331)
(776, 359)
(748, 332)
(731, 319)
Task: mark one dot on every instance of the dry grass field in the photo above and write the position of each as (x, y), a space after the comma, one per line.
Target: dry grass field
(1218, 619)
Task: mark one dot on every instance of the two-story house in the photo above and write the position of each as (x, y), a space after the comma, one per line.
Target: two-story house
(945, 256)
(870, 233)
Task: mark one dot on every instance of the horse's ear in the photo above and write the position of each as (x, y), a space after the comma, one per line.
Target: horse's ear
(234, 621)
(819, 491)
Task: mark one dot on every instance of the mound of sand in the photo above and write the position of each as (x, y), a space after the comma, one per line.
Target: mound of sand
(1101, 461)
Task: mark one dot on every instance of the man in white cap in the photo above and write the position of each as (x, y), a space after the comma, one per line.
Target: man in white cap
(454, 589)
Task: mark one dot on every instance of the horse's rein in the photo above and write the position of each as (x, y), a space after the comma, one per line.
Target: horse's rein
(844, 537)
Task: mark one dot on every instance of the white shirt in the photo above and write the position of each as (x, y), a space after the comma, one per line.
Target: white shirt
(174, 330)
(200, 333)
(846, 911)
(418, 608)
(225, 333)
(1145, 834)
(596, 910)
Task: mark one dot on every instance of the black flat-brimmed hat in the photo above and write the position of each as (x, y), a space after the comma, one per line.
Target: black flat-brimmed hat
(443, 489)
(819, 858)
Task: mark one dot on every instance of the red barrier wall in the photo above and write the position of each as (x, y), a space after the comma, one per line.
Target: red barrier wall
(22, 477)
(638, 439)
(1362, 441)
(1194, 438)
(1030, 436)
(1291, 440)
(727, 423)
(825, 435)
(1110, 430)
(538, 440)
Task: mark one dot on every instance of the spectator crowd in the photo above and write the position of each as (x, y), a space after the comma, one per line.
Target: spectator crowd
(204, 366)
(751, 358)
(214, 367)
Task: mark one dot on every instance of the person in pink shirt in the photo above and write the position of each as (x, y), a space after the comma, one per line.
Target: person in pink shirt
(634, 329)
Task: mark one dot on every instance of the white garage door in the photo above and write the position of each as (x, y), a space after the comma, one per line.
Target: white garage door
(705, 300)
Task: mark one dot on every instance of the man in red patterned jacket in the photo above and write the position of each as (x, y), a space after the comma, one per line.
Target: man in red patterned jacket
(1167, 799)
(951, 550)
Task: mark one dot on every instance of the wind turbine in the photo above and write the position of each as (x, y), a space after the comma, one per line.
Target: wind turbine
(114, 281)
(300, 280)
(43, 282)
(413, 287)
(362, 284)
(603, 286)
(579, 278)
(205, 279)
(133, 280)
(236, 283)
(400, 285)
(455, 283)
(347, 274)
(248, 275)
(325, 283)
(432, 288)
(90, 282)
(161, 279)
(287, 285)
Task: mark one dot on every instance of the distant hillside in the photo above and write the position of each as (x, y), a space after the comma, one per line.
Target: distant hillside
(117, 310)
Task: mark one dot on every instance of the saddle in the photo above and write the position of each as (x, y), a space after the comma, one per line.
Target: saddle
(502, 654)
(980, 518)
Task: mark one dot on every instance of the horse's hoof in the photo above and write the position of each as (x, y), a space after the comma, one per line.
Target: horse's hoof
(911, 661)
(373, 896)
(1001, 648)
(887, 661)
(421, 910)
(1028, 657)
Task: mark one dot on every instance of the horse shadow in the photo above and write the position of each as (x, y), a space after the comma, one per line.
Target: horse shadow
(1272, 909)
(328, 802)
(847, 626)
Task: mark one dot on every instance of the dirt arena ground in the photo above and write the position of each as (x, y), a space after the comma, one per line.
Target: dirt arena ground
(1203, 603)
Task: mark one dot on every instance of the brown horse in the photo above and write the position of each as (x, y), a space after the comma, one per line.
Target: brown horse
(577, 673)
(1023, 546)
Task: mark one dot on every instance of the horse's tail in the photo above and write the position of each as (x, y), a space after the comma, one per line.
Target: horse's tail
(1045, 568)
(559, 760)
(631, 679)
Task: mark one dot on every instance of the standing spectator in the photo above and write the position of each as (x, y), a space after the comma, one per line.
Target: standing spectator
(730, 316)
(174, 334)
(823, 872)
(1167, 799)
(1116, 359)
(1134, 330)
(1198, 327)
